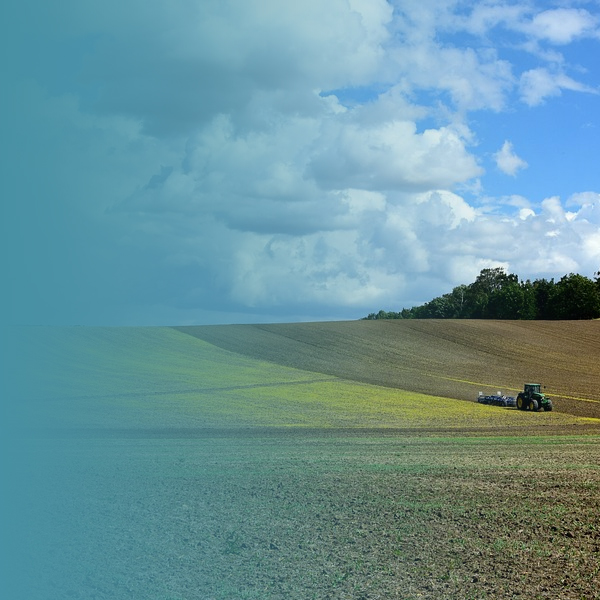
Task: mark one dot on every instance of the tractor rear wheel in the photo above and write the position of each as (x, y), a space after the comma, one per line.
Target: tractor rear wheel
(533, 405)
(521, 405)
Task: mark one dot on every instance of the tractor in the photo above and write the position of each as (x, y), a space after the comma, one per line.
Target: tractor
(531, 398)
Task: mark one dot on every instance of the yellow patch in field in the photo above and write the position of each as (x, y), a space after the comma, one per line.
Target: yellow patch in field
(160, 377)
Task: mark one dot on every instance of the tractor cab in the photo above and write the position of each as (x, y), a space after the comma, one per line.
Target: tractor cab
(532, 388)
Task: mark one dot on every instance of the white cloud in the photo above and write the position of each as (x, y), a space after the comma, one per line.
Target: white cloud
(525, 213)
(472, 79)
(445, 209)
(309, 158)
(584, 199)
(559, 26)
(486, 16)
(540, 33)
(563, 25)
(537, 85)
(507, 161)
(589, 207)
(393, 155)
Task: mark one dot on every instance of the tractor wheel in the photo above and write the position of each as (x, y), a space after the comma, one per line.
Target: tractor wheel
(534, 406)
(520, 402)
(548, 406)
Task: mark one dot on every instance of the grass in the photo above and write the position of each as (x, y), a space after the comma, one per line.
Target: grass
(447, 358)
(170, 468)
(101, 377)
(298, 514)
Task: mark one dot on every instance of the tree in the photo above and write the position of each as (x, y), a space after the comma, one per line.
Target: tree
(575, 297)
(543, 291)
(496, 294)
(506, 303)
(479, 294)
(458, 296)
(529, 307)
(438, 308)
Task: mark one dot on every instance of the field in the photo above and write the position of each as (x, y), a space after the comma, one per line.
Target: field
(334, 460)
(449, 358)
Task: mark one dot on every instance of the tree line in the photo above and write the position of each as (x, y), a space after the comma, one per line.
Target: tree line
(496, 294)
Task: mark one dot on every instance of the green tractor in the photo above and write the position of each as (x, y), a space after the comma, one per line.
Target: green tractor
(531, 398)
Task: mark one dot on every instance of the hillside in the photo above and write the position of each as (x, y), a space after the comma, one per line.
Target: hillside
(451, 358)
(144, 450)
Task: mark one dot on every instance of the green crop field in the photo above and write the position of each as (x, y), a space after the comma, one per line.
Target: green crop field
(163, 465)
(448, 358)
(101, 377)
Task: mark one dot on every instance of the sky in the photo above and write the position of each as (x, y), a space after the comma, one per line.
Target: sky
(240, 161)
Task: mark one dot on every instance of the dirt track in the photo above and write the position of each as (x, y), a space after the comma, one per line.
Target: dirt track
(449, 358)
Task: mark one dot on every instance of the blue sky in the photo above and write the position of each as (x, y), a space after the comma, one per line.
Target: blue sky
(191, 162)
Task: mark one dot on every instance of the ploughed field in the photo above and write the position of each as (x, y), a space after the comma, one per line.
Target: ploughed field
(319, 460)
(449, 358)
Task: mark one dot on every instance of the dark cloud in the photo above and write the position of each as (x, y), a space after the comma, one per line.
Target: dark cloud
(183, 161)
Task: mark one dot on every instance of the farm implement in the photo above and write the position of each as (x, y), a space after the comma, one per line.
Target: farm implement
(498, 399)
(531, 398)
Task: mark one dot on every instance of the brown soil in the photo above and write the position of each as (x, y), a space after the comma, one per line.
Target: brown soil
(448, 358)
(325, 515)
(358, 514)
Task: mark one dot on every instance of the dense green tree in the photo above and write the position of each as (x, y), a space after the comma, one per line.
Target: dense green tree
(575, 297)
(496, 294)
(493, 280)
(543, 291)
(489, 283)
(529, 307)
(438, 308)
(457, 300)
(506, 303)
(475, 306)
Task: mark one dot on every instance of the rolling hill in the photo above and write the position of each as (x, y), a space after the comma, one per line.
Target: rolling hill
(449, 358)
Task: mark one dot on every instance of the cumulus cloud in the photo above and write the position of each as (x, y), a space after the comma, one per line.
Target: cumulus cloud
(536, 85)
(507, 161)
(271, 159)
(183, 63)
(588, 208)
(391, 156)
(563, 25)
(544, 34)
(486, 16)
(472, 79)
(558, 26)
